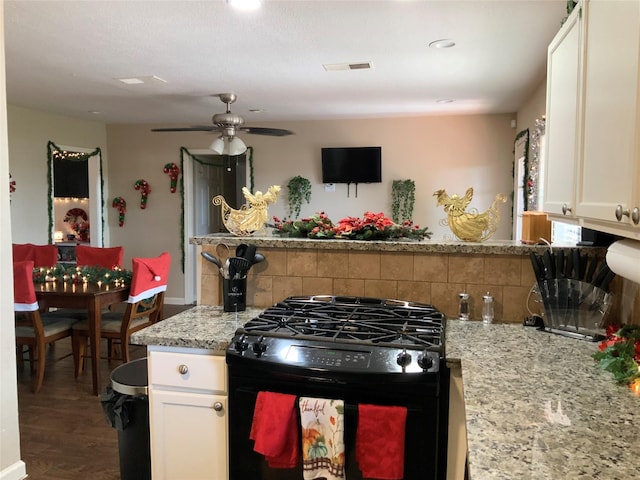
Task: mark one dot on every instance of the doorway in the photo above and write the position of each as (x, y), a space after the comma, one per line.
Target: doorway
(206, 175)
(93, 189)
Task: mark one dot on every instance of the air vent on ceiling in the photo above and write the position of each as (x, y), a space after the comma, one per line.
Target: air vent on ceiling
(331, 67)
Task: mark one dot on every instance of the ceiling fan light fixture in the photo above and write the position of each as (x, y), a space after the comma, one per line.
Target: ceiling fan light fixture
(235, 146)
(217, 145)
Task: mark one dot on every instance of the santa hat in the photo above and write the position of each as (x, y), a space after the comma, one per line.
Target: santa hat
(150, 276)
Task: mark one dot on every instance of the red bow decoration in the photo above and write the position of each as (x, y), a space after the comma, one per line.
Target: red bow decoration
(173, 171)
(145, 189)
(121, 205)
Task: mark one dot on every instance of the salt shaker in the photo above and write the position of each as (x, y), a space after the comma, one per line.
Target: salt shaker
(487, 309)
(463, 312)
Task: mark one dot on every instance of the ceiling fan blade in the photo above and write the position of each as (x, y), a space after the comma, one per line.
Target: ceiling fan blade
(274, 132)
(195, 128)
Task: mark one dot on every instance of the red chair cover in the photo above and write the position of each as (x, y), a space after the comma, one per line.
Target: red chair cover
(23, 251)
(106, 257)
(149, 276)
(24, 293)
(41, 255)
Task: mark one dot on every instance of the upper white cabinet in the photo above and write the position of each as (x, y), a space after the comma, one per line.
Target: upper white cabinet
(604, 192)
(563, 85)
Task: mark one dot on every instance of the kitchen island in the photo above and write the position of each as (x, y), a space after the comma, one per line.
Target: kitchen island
(536, 406)
(425, 271)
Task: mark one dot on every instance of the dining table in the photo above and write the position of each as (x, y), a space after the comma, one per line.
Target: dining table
(94, 297)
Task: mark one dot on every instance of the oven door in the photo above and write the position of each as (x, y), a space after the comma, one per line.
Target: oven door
(425, 459)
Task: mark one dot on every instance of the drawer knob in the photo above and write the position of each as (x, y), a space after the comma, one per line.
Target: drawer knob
(635, 216)
(183, 369)
(218, 406)
(565, 209)
(621, 212)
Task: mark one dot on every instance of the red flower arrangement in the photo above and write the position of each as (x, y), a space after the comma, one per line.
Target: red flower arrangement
(619, 353)
(373, 226)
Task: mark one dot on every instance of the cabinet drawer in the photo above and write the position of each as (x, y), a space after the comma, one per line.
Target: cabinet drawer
(202, 372)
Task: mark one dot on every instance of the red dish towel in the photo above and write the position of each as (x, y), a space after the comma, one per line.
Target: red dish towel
(275, 429)
(380, 441)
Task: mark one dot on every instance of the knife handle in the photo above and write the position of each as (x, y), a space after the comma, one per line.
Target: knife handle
(588, 276)
(560, 264)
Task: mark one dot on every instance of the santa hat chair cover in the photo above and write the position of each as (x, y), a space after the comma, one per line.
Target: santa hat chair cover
(24, 293)
(149, 277)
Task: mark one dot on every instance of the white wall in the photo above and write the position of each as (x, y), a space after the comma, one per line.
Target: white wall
(11, 467)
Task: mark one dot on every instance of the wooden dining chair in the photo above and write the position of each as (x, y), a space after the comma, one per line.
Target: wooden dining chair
(144, 308)
(32, 329)
(106, 257)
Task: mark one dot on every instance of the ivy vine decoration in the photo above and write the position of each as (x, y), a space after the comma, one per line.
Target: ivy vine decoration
(403, 198)
(145, 190)
(299, 190)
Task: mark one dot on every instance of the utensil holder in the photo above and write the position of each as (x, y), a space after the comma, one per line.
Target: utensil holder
(574, 308)
(234, 294)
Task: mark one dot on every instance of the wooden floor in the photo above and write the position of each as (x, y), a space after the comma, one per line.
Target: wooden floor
(63, 431)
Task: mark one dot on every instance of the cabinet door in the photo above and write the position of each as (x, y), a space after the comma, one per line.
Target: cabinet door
(563, 85)
(610, 109)
(188, 436)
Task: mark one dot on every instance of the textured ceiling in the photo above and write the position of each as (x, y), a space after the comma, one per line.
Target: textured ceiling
(63, 57)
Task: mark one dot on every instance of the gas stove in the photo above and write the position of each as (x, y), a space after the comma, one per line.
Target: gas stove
(356, 334)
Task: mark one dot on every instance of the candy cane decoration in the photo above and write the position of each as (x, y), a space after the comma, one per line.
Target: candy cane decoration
(121, 205)
(12, 186)
(145, 189)
(173, 171)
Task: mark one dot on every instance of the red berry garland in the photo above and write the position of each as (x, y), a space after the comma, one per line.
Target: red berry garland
(121, 205)
(173, 171)
(145, 189)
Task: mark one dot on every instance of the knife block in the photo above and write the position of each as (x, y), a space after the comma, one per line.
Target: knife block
(534, 227)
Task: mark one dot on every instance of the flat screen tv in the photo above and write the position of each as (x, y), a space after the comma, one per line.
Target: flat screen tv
(352, 165)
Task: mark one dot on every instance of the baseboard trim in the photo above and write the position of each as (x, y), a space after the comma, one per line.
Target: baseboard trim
(17, 471)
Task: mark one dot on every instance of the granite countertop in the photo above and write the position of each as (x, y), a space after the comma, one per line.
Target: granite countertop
(203, 326)
(536, 405)
(538, 408)
(497, 247)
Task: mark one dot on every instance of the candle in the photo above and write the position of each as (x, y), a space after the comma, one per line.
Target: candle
(635, 386)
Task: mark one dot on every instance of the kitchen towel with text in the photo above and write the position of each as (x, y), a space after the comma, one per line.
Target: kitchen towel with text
(275, 429)
(322, 422)
(380, 441)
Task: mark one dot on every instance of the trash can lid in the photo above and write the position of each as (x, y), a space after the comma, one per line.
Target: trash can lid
(131, 378)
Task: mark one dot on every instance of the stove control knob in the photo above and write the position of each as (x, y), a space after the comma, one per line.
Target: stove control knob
(259, 347)
(425, 361)
(241, 344)
(403, 359)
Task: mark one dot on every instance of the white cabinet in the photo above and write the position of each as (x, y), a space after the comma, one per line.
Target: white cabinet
(593, 121)
(611, 116)
(187, 414)
(563, 85)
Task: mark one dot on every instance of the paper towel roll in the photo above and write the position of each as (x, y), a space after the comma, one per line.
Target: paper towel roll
(623, 257)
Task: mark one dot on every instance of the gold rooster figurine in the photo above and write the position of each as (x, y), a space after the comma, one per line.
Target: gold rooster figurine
(469, 226)
(252, 216)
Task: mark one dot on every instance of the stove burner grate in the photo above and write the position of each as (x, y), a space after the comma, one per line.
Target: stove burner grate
(380, 322)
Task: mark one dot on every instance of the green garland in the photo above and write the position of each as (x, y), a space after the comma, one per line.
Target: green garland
(525, 177)
(51, 149)
(72, 274)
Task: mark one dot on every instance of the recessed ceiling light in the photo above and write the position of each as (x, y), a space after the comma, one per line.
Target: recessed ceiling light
(256, 110)
(333, 67)
(442, 43)
(444, 100)
(245, 4)
(139, 80)
(95, 112)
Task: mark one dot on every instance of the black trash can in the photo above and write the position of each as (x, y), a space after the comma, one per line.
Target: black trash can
(126, 406)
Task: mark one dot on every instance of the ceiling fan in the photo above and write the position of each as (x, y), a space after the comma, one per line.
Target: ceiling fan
(228, 124)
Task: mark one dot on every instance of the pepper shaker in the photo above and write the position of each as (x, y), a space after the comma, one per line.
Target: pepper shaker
(463, 311)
